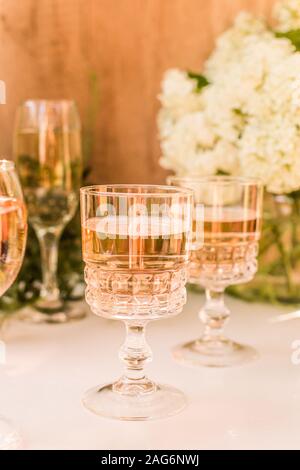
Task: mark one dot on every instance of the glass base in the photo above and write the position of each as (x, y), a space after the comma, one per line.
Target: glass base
(164, 401)
(68, 312)
(10, 438)
(214, 353)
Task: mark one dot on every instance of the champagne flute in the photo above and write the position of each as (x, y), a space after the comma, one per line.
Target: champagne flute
(47, 149)
(13, 232)
(135, 243)
(228, 211)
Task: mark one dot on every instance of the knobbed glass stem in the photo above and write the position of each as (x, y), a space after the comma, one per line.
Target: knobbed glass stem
(213, 348)
(50, 295)
(214, 315)
(135, 353)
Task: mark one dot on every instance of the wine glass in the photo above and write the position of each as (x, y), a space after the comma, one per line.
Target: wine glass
(47, 149)
(228, 211)
(135, 243)
(13, 232)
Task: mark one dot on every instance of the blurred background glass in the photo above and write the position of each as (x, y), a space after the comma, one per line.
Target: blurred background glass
(48, 152)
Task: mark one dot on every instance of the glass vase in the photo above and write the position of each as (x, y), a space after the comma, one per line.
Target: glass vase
(278, 277)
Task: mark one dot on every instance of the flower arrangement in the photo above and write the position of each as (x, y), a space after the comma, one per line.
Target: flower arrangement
(242, 117)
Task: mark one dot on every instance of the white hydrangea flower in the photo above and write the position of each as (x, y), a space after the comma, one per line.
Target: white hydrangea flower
(287, 15)
(226, 156)
(246, 24)
(179, 94)
(194, 148)
(230, 45)
(220, 109)
(178, 97)
(270, 151)
(190, 138)
(269, 147)
(232, 61)
(282, 88)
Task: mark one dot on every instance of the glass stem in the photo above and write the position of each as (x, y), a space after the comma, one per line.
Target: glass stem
(214, 315)
(49, 254)
(135, 353)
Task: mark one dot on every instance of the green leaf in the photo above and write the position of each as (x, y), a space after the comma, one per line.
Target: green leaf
(293, 36)
(201, 80)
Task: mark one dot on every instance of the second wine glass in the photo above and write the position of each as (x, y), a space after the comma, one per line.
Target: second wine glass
(227, 227)
(47, 149)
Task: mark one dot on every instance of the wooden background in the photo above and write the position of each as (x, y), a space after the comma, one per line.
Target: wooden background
(51, 48)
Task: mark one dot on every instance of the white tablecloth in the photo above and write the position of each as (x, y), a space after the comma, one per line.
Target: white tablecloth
(254, 406)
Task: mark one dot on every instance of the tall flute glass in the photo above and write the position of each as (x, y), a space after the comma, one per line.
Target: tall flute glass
(135, 242)
(228, 210)
(13, 232)
(47, 149)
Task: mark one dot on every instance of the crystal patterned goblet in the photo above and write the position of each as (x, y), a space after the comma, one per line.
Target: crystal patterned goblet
(228, 211)
(135, 242)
